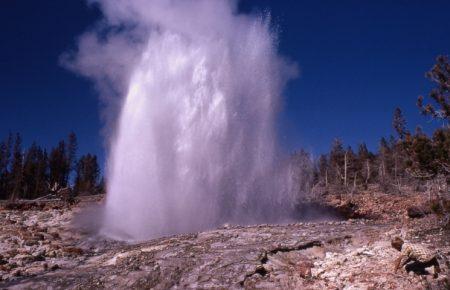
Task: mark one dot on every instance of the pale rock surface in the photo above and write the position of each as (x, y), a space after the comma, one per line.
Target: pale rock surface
(39, 249)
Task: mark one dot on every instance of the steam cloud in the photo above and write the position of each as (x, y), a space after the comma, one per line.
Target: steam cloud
(192, 90)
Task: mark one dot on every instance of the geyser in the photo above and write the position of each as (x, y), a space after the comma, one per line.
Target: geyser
(194, 145)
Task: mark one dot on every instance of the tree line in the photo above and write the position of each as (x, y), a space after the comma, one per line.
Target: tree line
(35, 172)
(408, 158)
(404, 159)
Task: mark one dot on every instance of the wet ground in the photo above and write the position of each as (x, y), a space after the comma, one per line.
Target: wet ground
(39, 249)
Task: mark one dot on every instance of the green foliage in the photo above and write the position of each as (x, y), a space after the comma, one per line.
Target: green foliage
(399, 123)
(29, 174)
(441, 146)
(440, 206)
(72, 147)
(87, 175)
(440, 95)
(406, 159)
(5, 159)
(337, 160)
(16, 169)
(59, 165)
(35, 175)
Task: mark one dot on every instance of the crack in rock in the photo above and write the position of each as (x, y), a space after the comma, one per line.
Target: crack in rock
(299, 247)
(261, 270)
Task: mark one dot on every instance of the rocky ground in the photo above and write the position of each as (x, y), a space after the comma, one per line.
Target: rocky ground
(40, 249)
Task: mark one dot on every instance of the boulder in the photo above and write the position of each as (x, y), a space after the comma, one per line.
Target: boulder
(415, 212)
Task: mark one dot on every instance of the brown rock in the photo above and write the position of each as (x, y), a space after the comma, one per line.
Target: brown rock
(304, 269)
(415, 212)
(16, 273)
(73, 251)
(35, 270)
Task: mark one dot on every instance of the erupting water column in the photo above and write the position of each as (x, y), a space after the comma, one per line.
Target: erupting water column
(195, 144)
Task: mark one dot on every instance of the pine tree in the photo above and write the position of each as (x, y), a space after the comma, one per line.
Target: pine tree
(441, 145)
(59, 165)
(42, 174)
(365, 160)
(302, 169)
(399, 159)
(423, 155)
(101, 188)
(440, 95)
(323, 169)
(385, 164)
(87, 175)
(399, 123)
(72, 146)
(337, 160)
(34, 172)
(29, 171)
(350, 169)
(16, 186)
(4, 162)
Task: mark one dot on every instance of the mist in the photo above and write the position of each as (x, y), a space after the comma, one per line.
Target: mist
(191, 93)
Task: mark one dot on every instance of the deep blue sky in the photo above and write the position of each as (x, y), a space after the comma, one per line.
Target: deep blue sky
(358, 60)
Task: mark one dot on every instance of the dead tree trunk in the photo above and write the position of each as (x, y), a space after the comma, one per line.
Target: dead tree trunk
(368, 172)
(345, 169)
(354, 184)
(428, 185)
(397, 180)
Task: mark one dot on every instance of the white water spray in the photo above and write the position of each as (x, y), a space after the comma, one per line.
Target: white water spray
(195, 144)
